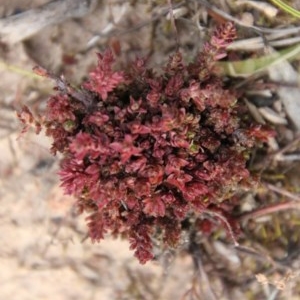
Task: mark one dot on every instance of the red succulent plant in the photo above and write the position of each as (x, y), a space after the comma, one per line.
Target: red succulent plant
(145, 151)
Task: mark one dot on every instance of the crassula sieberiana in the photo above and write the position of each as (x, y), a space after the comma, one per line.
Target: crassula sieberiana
(145, 151)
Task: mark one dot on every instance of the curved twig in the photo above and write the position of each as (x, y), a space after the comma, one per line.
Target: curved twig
(269, 210)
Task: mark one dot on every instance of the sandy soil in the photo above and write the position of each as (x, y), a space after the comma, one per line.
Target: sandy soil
(44, 253)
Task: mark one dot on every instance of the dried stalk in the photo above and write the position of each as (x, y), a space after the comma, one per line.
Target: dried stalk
(269, 210)
(283, 192)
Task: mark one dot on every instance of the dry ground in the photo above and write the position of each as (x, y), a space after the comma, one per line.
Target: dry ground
(43, 250)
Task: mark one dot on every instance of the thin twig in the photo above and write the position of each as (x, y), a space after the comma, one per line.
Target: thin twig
(237, 21)
(108, 28)
(286, 148)
(203, 281)
(273, 208)
(288, 157)
(262, 256)
(282, 192)
(108, 33)
(224, 220)
(257, 43)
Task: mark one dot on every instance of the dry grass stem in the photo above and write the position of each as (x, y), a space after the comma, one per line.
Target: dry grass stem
(282, 192)
(277, 207)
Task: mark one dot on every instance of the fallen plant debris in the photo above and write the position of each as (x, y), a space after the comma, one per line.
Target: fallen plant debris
(146, 152)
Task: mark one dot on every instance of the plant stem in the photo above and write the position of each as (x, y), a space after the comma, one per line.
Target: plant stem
(269, 210)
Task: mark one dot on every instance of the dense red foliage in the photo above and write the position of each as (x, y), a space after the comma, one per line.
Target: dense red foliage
(144, 151)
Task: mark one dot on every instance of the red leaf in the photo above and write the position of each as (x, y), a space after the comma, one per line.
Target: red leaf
(154, 206)
(193, 190)
(179, 180)
(26, 117)
(153, 173)
(126, 148)
(103, 79)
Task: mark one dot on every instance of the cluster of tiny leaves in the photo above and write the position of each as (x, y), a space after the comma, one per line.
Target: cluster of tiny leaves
(144, 151)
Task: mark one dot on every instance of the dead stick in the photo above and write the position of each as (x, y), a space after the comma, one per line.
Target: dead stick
(269, 210)
(283, 192)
